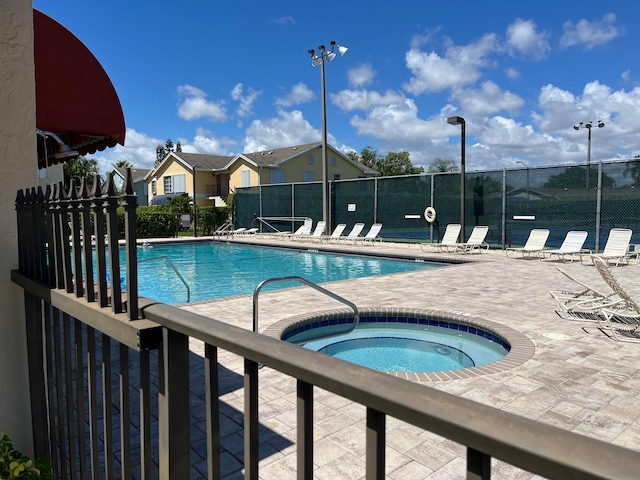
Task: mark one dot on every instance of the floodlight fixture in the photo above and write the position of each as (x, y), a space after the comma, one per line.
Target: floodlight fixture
(319, 59)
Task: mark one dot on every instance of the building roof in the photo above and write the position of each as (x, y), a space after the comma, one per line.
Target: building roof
(137, 174)
(266, 158)
(204, 161)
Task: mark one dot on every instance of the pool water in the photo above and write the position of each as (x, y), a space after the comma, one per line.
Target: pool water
(405, 347)
(216, 270)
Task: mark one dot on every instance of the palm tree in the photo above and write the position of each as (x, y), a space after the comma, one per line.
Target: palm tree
(123, 164)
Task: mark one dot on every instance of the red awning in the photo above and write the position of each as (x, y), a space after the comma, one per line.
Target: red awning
(75, 98)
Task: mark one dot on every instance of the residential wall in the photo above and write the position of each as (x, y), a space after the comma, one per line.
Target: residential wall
(235, 174)
(295, 168)
(171, 168)
(18, 156)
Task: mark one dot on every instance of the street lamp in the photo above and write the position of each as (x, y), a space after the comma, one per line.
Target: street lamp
(589, 125)
(460, 121)
(316, 60)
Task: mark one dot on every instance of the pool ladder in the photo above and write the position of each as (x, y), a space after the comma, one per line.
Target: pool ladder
(164, 257)
(256, 292)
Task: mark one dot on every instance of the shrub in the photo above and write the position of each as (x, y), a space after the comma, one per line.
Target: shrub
(15, 465)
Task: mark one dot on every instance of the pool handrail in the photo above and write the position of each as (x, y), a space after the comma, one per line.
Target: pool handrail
(174, 269)
(256, 292)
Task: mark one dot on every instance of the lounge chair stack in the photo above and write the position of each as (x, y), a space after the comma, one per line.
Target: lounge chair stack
(621, 318)
(584, 303)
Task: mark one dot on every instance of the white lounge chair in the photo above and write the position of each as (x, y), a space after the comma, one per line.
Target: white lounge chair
(475, 242)
(449, 238)
(534, 244)
(353, 234)
(621, 318)
(335, 235)
(317, 232)
(303, 231)
(571, 246)
(582, 304)
(616, 249)
(372, 234)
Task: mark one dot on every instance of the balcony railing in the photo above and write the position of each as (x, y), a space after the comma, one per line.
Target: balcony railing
(108, 370)
(217, 190)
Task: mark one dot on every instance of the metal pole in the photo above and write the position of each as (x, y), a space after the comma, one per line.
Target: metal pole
(588, 158)
(462, 179)
(325, 164)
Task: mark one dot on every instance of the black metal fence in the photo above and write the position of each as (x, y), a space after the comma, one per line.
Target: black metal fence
(511, 202)
(112, 377)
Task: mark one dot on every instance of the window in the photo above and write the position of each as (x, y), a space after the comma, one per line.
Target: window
(174, 183)
(153, 187)
(333, 161)
(246, 178)
(308, 177)
(310, 159)
(277, 176)
(179, 183)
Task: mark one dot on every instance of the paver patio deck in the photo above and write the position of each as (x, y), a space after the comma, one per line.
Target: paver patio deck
(578, 379)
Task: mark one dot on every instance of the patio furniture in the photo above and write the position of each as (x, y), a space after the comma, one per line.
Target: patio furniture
(353, 234)
(616, 249)
(372, 234)
(622, 318)
(335, 235)
(534, 244)
(571, 246)
(475, 241)
(583, 304)
(449, 238)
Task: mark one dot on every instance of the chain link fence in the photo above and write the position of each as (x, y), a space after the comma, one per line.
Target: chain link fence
(592, 197)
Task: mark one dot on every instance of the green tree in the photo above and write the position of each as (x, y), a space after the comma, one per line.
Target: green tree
(79, 168)
(163, 151)
(441, 165)
(633, 170)
(123, 164)
(397, 163)
(368, 156)
(576, 177)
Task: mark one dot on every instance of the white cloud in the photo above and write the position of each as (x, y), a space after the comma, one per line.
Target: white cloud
(460, 66)
(512, 73)
(288, 20)
(487, 100)
(361, 75)
(365, 99)
(299, 93)
(288, 128)
(246, 101)
(194, 104)
(524, 39)
(590, 34)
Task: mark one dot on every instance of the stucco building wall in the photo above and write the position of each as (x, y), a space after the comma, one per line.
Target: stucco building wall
(17, 154)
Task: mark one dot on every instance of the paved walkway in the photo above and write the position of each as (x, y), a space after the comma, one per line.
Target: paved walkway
(578, 378)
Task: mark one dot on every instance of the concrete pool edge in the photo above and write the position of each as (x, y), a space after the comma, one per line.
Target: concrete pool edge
(522, 348)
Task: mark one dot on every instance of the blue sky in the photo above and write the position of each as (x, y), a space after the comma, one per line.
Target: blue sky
(232, 77)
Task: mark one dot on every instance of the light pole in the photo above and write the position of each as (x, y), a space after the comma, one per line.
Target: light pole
(527, 167)
(460, 121)
(315, 61)
(589, 125)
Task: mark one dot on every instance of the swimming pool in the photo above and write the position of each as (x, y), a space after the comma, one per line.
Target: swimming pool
(217, 270)
(422, 345)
